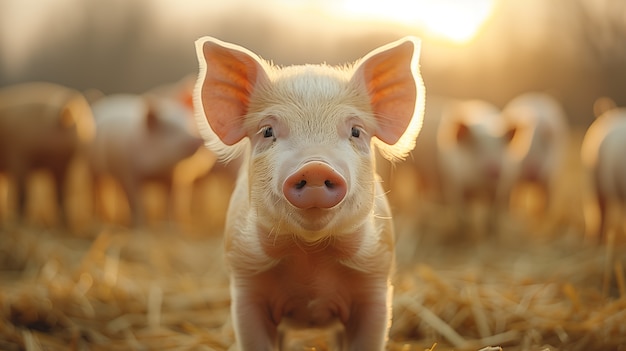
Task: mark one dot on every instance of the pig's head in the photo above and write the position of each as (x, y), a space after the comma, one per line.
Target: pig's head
(168, 135)
(475, 131)
(309, 130)
(540, 125)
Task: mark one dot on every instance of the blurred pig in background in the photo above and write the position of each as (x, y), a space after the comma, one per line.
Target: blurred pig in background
(43, 126)
(200, 185)
(603, 157)
(195, 181)
(140, 138)
(181, 90)
(472, 139)
(539, 146)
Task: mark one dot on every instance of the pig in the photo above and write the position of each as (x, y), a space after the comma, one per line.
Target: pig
(309, 238)
(140, 138)
(539, 145)
(471, 145)
(42, 126)
(602, 154)
(194, 172)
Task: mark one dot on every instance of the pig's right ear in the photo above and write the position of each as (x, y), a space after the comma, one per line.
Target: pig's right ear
(227, 78)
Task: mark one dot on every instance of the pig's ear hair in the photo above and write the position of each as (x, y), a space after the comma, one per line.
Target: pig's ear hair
(228, 75)
(391, 77)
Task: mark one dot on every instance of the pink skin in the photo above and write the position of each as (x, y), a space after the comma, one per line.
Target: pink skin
(309, 237)
(310, 287)
(315, 185)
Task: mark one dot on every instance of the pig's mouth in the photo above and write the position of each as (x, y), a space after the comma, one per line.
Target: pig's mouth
(313, 219)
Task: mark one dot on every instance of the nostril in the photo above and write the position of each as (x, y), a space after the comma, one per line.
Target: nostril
(315, 185)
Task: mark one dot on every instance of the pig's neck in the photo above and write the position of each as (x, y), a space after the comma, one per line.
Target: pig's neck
(282, 246)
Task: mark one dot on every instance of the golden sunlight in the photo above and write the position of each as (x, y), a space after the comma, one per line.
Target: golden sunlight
(452, 20)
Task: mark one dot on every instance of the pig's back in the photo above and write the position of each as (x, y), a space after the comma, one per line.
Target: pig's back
(120, 110)
(118, 119)
(30, 105)
(30, 119)
(38, 94)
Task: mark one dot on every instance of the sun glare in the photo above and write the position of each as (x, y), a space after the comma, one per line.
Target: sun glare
(453, 20)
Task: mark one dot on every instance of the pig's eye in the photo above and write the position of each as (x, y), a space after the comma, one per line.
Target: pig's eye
(356, 132)
(268, 132)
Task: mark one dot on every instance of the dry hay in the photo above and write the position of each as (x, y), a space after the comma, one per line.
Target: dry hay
(158, 290)
(122, 290)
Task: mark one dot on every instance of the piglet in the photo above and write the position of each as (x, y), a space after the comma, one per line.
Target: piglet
(42, 126)
(602, 155)
(538, 148)
(309, 237)
(471, 142)
(140, 138)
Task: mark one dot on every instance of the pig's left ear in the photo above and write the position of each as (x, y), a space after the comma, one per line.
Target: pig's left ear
(391, 76)
(228, 77)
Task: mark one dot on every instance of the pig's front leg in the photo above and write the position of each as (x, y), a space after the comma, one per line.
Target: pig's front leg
(254, 329)
(369, 321)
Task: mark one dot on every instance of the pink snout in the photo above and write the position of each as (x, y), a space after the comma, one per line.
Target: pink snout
(315, 185)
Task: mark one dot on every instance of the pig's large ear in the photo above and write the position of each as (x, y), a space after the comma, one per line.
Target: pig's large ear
(391, 76)
(228, 75)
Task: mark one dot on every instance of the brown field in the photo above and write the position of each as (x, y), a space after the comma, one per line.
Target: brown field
(536, 284)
